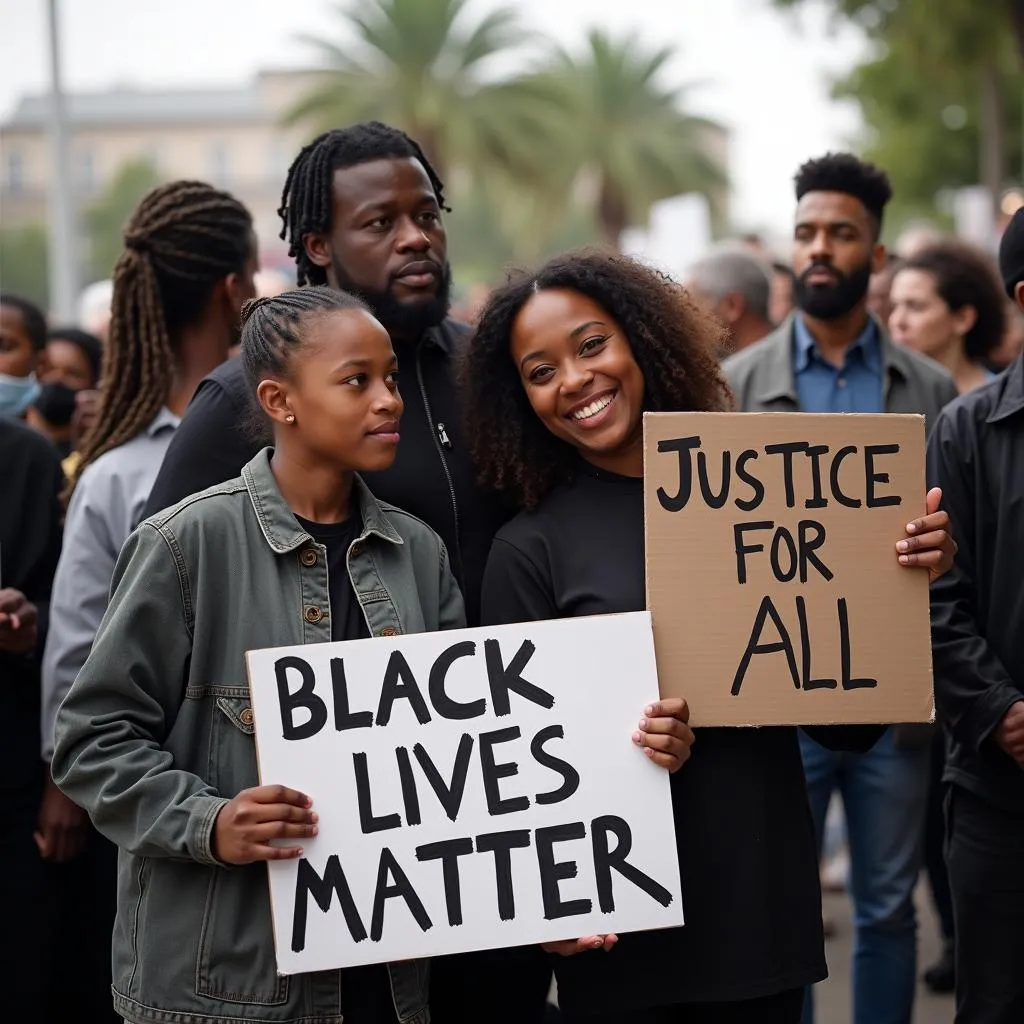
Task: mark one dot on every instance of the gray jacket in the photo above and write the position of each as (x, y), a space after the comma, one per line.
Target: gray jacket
(763, 379)
(156, 735)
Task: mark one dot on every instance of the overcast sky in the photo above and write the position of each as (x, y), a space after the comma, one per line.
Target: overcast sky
(764, 74)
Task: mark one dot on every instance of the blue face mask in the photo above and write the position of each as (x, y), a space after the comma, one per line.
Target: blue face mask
(17, 394)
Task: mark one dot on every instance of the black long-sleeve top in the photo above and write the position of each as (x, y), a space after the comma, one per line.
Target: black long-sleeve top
(747, 856)
(976, 455)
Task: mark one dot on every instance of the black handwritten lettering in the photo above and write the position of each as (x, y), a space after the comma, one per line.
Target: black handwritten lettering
(817, 499)
(323, 890)
(385, 890)
(448, 853)
(812, 536)
(805, 652)
(552, 872)
(711, 499)
(368, 821)
(410, 794)
(743, 548)
(494, 772)
(606, 860)
(343, 717)
(502, 680)
(751, 503)
(570, 777)
(501, 844)
(849, 681)
(683, 446)
(303, 697)
(449, 795)
(871, 452)
(787, 451)
(754, 646)
(783, 538)
(443, 704)
(400, 682)
(837, 490)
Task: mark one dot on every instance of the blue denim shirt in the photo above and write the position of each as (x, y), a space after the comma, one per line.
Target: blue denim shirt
(856, 386)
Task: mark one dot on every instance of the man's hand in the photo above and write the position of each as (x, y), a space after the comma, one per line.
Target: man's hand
(18, 632)
(62, 828)
(1009, 733)
(930, 541)
(664, 734)
(247, 825)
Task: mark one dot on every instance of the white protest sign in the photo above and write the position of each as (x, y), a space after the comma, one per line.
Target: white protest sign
(476, 788)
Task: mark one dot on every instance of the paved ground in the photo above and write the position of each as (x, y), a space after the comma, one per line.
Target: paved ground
(833, 998)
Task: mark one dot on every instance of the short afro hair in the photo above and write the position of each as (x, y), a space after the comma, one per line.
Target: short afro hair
(31, 317)
(843, 172)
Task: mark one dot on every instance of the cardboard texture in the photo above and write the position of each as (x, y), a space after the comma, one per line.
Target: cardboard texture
(780, 601)
(476, 788)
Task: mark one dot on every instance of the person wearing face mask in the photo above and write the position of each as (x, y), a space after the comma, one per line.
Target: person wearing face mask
(70, 365)
(22, 343)
(832, 356)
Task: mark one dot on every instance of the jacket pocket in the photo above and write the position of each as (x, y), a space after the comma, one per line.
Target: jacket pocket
(236, 961)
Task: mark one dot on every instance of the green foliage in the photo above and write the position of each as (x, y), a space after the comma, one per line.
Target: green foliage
(104, 220)
(24, 263)
(595, 129)
(921, 92)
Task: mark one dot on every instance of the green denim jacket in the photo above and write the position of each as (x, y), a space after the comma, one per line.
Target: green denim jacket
(156, 735)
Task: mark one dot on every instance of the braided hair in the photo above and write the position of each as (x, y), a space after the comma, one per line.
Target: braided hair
(306, 201)
(181, 240)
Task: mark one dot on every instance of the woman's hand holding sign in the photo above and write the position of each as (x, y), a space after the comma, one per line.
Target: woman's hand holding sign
(930, 542)
(247, 826)
(664, 733)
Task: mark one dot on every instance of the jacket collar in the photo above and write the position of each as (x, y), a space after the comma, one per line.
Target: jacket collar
(446, 336)
(1011, 401)
(778, 373)
(278, 522)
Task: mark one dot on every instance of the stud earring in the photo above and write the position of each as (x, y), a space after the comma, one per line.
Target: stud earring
(289, 418)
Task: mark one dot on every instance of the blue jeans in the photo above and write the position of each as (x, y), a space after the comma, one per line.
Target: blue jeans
(884, 797)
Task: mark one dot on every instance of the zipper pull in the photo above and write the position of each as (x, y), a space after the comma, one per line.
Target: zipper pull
(442, 435)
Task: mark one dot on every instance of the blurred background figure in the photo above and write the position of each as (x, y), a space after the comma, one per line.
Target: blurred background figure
(22, 343)
(736, 287)
(947, 303)
(70, 365)
(94, 307)
(879, 288)
(780, 304)
(914, 237)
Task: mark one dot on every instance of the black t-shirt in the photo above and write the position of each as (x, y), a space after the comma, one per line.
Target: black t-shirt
(748, 864)
(347, 619)
(365, 991)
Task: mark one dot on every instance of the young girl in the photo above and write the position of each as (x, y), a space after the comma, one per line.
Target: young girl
(562, 368)
(155, 738)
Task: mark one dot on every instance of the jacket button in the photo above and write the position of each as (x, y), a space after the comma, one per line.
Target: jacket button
(308, 556)
(356, 550)
(246, 717)
(389, 631)
(312, 613)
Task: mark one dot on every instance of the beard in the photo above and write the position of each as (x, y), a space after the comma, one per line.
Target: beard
(831, 301)
(403, 318)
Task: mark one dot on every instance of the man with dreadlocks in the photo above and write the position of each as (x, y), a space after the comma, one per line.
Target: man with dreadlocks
(362, 211)
(179, 286)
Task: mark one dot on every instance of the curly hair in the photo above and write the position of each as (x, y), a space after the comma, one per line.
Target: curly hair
(965, 276)
(673, 339)
(843, 172)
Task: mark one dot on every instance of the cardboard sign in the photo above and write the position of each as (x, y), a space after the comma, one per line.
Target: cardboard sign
(476, 788)
(772, 574)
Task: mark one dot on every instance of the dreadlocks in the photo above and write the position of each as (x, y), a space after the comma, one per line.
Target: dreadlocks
(180, 241)
(306, 200)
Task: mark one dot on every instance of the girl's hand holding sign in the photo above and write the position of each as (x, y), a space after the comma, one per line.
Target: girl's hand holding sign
(247, 825)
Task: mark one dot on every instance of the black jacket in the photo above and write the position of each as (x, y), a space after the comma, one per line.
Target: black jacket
(976, 455)
(30, 534)
(432, 476)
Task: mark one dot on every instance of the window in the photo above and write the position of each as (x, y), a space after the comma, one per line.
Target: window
(15, 176)
(219, 162)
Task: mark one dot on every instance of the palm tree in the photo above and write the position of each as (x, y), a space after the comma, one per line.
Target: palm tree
(422, 65)
(626, 135)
